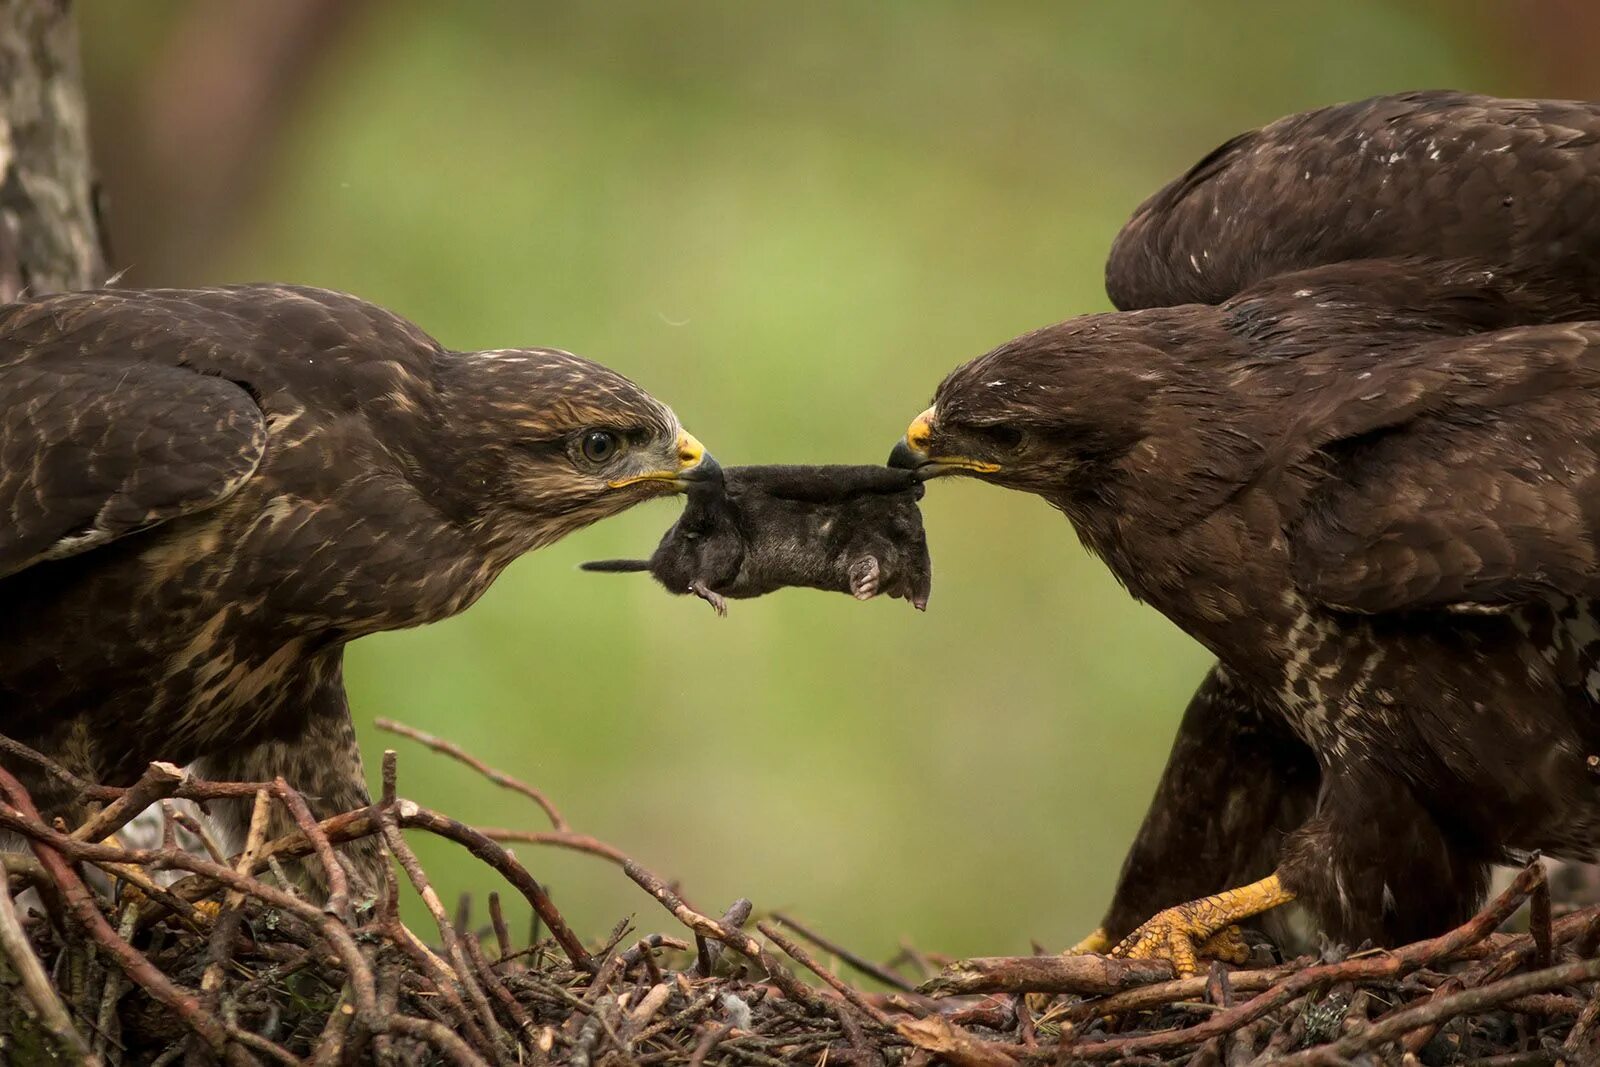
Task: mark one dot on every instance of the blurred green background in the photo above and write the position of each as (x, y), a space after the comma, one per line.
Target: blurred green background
(789, 222)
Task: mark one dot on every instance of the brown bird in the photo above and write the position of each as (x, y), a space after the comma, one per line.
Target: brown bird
(1351, 444)
(208, 493)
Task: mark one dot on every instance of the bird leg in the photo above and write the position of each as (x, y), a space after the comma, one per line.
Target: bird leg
(1203, 927)
(700, 589)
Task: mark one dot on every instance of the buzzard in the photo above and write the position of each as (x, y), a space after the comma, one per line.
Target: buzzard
(208, 493)
(1345, 432)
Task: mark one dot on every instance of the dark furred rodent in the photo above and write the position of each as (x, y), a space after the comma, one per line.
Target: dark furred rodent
(847, 529)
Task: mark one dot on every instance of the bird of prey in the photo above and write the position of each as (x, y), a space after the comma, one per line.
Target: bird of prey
(208, 493)
(1345, 432)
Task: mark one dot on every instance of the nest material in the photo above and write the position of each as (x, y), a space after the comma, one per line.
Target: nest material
(264, 975)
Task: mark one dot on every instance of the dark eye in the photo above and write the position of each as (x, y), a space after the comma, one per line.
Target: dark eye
(599, 445)
(1000, 435)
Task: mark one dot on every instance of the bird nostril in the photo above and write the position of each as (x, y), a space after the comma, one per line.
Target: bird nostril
(920, 432)
(690, 451)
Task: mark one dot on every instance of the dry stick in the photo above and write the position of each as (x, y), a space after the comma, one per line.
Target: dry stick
(649, 1007)
(939, 1036)
(502, 933)
(1435, 1011)
(1088, 974)
(146, 885)
(363, 822)
(338, 886)
(81, 903)
(159, 781)
(1539, 924)
(1583, 1043)
(708, 1041)
(734, 918)
(330, 1046)
(412, 815)
(428, 964)
(47, 840)
(189, 789)
(499, 778)
(860, 963)
(36, 983)
(81, 786)
(519, 1015)
(261, 1044)
(226, 929)
(1388, 965)
(1163, 993)
(440, 1037)
(804, 958)
(112, 991)
(195, 827)
(52, 845)
(447, 933)
(737, 940)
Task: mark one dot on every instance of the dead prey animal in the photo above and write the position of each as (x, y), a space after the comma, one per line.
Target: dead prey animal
(853, 530)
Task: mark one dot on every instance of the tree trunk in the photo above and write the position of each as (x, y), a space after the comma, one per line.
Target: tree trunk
(49, 233)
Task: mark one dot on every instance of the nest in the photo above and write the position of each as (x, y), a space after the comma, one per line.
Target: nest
(229, 963)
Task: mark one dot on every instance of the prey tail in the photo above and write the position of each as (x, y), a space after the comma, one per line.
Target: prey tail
(616, 566)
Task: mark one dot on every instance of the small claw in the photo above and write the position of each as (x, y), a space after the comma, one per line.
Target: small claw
(706, 593)
(1227, 945)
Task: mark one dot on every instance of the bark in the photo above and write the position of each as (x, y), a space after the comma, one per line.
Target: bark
(49, 233)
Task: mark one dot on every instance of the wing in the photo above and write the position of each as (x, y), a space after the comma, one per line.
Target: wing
(1513, 184)
(1465, 474)
(93, 449)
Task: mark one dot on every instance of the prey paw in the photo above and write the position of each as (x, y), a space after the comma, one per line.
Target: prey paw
(706, 593)
(865, 577)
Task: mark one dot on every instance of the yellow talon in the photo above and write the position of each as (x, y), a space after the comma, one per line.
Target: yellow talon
(1204, 927)
(1099, 941)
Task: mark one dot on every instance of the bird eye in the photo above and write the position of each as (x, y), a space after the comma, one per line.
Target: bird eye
(1000, 435)
(599, 445)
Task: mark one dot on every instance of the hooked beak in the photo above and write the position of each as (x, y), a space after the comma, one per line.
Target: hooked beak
(913, 453)
(694, 465)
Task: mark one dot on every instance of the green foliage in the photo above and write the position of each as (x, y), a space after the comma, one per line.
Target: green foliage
(789, 222)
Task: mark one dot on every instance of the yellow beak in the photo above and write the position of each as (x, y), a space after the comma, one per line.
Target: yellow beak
(694, 464)
(912, 453)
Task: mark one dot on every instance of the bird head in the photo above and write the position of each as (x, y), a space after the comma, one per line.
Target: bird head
(561, 442)
(1047, 413)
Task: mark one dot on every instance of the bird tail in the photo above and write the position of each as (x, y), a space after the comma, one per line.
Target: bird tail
(616, 566)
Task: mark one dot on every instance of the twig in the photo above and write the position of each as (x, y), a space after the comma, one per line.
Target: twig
(413, 815)
(1087, 974)
(81, 904)
(860, 963)
(1387, 965)
(36, 983)
(802, 957)
(159, 781)
(1468, 1000)
(737, 940)
(338, 886)
(455, 752)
